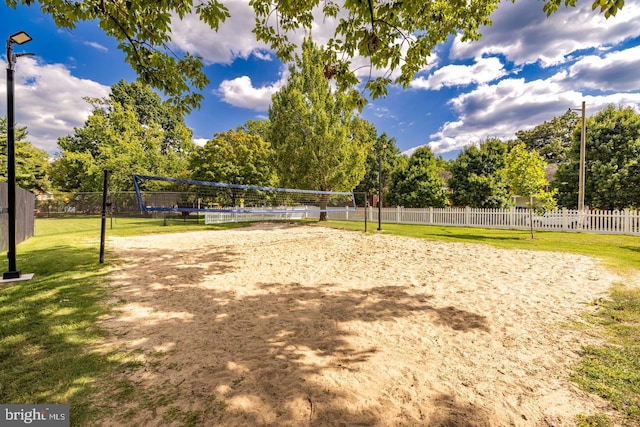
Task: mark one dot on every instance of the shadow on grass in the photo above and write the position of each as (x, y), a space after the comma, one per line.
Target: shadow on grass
(480, 239)
(46, 328)
(631, 248)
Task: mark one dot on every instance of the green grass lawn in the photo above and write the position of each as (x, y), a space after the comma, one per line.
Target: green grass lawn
(48, 326)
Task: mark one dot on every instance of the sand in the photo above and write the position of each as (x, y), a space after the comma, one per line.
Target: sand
(287, 325)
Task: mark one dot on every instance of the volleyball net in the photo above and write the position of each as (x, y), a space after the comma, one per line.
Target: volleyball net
(221, 202)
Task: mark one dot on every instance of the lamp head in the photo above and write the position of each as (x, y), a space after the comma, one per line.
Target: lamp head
(20, 37)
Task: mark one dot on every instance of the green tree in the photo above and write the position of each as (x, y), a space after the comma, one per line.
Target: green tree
(151, 110)
(313, 132)
(396, 35)
(526, 177)
(478, 176)
(612, 162)
(113, 138)
(256, 127)
(418, 184)
(234, 157)
(32, 163)
(551, 139)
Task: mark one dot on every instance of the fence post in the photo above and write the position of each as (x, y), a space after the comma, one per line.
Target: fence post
(626, 221)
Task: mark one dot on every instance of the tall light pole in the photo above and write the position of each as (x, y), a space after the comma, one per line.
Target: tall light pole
(17, 38)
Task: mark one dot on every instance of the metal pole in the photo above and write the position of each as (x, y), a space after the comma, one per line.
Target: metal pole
(581, 177)
(380, 191)
(366, 209)
(13, 272)
(105, 190)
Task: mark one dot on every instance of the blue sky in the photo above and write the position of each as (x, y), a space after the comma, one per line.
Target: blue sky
(526, 69)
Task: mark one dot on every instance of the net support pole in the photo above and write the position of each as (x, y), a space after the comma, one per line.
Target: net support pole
(105, 187)
(366, 209)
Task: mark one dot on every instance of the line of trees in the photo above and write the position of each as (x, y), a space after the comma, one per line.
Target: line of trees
(314, 140)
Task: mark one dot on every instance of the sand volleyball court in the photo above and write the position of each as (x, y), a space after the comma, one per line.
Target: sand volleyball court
(288, 325)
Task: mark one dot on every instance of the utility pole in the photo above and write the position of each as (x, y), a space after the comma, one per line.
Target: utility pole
(581, 178)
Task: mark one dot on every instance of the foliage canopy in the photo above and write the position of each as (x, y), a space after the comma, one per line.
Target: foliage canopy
(393, 35)
(317, 142)
(478, 176)
(612, 162)
(234, 157)
(32, 163)
(120, 137)
(418, 184)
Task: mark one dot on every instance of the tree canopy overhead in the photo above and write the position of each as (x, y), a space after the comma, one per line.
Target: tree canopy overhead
(393, 35)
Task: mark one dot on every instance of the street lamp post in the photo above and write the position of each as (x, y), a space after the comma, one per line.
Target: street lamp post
(17, 38)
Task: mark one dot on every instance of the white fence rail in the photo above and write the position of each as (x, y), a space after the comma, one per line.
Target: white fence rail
(262, 215)
(614, 222)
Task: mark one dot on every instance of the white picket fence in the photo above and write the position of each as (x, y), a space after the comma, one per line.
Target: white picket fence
(595, 221)
(280, 213)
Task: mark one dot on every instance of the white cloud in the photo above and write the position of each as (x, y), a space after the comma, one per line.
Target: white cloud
(577, 49)
(615, 71)
(500, 110)
(48, 100)
(523, 34)
(483, 71)
(240, 92)
(233, 39)
(382, 112)
(96, 46)
(200, 141)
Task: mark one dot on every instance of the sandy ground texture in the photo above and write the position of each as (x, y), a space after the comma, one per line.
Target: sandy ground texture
(285, 325)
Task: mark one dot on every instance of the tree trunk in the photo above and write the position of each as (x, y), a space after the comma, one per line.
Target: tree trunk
(324, 200)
